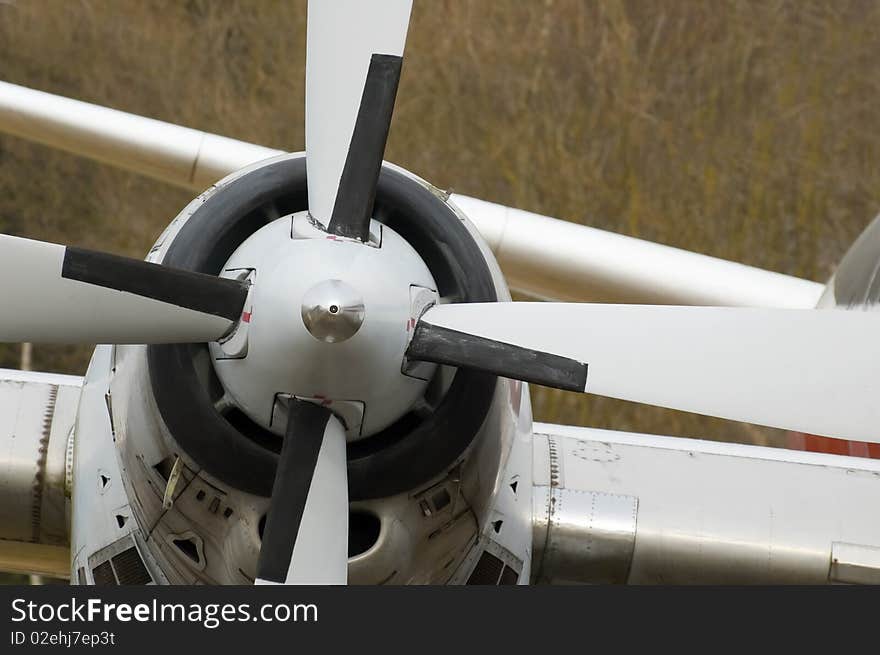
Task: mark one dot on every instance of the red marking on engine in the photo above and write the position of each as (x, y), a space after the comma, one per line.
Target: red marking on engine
(246, 317)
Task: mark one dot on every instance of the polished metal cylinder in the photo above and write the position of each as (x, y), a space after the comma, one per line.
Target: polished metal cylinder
(642, 509)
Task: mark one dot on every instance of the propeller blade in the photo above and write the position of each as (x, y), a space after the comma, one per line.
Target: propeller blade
(814, 371)
(305, 540)
(56, 294)
(354, 51)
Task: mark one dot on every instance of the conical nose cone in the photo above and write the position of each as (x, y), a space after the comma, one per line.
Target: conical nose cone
(332, 311)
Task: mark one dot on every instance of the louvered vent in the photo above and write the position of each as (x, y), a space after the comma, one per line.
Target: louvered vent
(103, 574)
(130, 569)
(509, 576)
(492, 571)
(125, 568)
(487, 571)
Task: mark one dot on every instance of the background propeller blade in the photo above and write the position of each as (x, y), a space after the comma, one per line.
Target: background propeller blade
(814, 371)
(353, 61)
(55, 294)
(305, 540)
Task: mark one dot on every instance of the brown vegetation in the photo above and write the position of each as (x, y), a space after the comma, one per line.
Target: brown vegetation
(745, 130)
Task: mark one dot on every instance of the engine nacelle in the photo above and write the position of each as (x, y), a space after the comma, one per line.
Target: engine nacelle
(427, 491)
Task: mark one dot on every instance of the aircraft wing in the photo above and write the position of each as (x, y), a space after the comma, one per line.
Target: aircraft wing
(37, 416)
(643, 509)
(542, 257)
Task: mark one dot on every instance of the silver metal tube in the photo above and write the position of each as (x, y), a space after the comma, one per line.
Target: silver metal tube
(542, 257)
(642, 509)
(178, 155)
(559, 260)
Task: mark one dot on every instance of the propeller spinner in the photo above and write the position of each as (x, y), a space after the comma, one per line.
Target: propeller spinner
(330, 320)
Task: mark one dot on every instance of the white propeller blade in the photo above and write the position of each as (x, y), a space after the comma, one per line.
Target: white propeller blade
(814, 371)
(342, 37)
(305, 540)
(56, 294)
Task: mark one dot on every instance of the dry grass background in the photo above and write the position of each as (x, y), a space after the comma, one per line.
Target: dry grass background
(744, 130)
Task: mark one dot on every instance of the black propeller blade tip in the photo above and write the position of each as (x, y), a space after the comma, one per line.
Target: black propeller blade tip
(432, 343)
(353, 208)
(306, 423)
(196, 291)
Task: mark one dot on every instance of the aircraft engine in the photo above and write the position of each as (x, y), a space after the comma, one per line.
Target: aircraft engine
(314, 358)
(327, 320)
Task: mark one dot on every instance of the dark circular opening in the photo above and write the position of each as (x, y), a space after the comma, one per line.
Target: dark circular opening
(363, 532)
(230, 446)
(333, 309)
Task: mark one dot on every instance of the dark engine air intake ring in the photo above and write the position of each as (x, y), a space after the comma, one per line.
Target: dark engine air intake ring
(403, 455)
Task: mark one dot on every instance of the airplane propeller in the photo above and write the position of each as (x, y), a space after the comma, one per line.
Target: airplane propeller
(808, 370)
